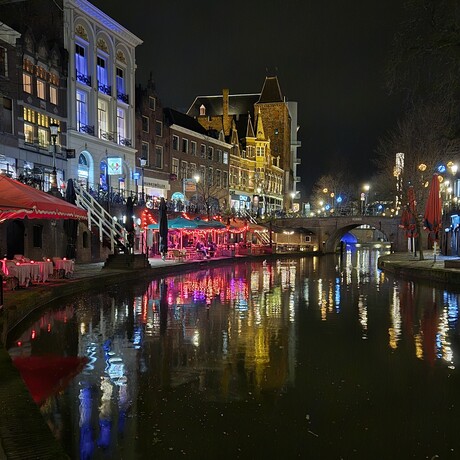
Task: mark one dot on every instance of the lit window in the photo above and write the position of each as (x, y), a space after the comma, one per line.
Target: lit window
(120, 81)
(102, 107)
(101, 72)
(53, 95)
(80, 62)
(43, 137)
(41, 89)
(121, 123)
(27, 83)
(28, 133)
(82, 110)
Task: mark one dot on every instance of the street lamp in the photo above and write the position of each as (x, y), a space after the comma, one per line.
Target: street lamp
(364, 197)
(54, 127)
(196, 178)
(143, 162)
(292, 200)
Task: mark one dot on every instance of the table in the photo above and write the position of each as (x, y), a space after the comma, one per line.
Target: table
(66, 265)
(22, 272)
(46, 270)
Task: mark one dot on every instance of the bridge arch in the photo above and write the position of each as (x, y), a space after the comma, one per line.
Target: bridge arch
(329, 230)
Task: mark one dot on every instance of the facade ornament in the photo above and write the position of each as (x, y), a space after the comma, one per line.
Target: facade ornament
(102, 45)
(121, 56)
(81, 32)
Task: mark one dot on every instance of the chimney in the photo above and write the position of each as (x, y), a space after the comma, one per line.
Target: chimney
(226, 120)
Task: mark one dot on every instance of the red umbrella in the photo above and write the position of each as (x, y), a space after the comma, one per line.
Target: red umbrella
(47, 375)
(18, 200)
(433, 210)
(408, 215)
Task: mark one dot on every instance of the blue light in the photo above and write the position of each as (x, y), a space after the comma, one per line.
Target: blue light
(327, 207)
(339, 199)
(441, 168)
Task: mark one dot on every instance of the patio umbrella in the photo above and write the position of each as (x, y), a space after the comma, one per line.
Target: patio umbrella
(18, 200)
(163, 228)
(71, 225)
(48, 375)
(129, 224)
(408, 218)
(433, 210)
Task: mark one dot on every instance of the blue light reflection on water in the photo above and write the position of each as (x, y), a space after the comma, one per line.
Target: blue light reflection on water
(238, 349)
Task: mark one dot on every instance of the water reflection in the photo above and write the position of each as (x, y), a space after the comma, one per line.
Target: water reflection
(225, 351)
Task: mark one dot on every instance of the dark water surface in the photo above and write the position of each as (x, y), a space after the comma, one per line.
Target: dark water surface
(316, 358)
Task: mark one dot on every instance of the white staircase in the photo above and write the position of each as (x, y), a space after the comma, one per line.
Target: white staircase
(264, 237)
(98, 217)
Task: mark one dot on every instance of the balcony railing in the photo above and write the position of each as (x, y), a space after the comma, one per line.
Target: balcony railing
(104, 89)
(86, 129)
(108, 136)
(297, 161)
(86, 79)
(123, 97)
(125, 141)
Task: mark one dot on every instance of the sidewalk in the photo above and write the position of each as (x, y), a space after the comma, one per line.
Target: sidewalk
(408, 266)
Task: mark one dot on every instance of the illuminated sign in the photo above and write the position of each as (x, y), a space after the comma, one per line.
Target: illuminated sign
(115, 166)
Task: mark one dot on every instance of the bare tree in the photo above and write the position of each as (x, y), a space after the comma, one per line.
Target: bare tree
(334, 191)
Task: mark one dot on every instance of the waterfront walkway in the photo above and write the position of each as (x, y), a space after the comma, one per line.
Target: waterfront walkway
(23, 433)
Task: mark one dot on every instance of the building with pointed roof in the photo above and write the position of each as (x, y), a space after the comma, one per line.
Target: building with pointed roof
(233, 115)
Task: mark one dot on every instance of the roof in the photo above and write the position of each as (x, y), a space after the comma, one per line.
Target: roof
(238, 104)
(173, 117)
(271, 92)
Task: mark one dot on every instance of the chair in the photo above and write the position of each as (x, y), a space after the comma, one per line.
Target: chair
(178, 254)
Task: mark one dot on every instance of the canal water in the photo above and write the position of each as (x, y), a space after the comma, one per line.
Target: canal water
(321, 358)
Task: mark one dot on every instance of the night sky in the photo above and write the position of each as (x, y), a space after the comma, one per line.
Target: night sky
(329, 56)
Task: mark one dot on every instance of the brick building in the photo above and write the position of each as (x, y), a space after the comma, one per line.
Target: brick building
(227, 112)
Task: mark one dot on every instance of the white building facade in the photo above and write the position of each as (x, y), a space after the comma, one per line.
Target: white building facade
(101, 97)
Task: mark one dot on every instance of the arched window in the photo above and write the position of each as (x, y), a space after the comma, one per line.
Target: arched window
(83, 171)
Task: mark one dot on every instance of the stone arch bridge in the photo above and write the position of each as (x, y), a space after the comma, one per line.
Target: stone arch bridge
(329, 230)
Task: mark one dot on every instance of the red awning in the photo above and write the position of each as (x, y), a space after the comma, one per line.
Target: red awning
(18, 200)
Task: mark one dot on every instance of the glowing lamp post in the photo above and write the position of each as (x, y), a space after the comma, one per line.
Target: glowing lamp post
(54, 127)
(143, 162)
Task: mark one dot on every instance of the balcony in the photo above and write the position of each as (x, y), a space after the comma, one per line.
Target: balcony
(82, 78)
(123, 98)
(297, 179)
(86, 129)
(106, 135)
(124, 141)
(297, 161)
(104, 89)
